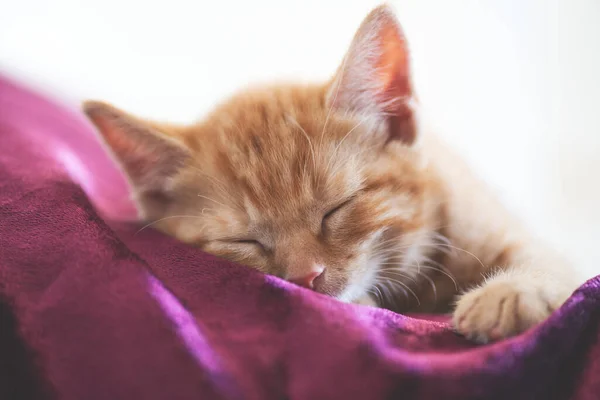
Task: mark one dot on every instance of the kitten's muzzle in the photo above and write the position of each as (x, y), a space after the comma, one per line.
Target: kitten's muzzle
(308, 278)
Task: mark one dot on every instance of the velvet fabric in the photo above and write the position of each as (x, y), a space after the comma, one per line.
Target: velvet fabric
(91, 308)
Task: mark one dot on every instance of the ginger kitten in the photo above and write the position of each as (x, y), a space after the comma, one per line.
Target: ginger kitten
(338, 187)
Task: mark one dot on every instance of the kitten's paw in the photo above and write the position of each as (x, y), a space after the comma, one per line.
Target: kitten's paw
(499, 309)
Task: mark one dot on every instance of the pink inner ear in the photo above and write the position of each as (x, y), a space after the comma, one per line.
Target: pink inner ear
(147, 158)
(393, 65)
(113, 131)
(395, 88)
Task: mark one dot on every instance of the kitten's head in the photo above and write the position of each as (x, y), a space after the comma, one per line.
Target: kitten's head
(321, 185)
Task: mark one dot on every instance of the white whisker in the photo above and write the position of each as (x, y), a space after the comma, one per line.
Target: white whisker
(337, 90)
(394, 271)
(220, 185)
(432, 285)
(405, 286)
(443, 271)
(310, 144)
(162, 219)
(337, 147)
(464, 251)
(213, 200)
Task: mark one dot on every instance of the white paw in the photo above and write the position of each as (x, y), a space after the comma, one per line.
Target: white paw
(500, 309)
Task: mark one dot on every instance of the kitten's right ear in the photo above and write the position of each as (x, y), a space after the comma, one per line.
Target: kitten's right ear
(148, 156)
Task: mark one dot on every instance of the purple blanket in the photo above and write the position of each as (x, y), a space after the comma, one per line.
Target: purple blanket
(91, 310)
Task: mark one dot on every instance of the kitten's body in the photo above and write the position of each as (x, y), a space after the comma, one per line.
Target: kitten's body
(340, 188)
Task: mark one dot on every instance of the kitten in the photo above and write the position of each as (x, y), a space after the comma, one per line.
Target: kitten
(340, 188)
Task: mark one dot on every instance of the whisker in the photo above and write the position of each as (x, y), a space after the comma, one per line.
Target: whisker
(439, 236)
(337, 147)
(465, 251)
(337, 90)
(390, 245)
(378, 294)
(387, 252)
(394, 271)
(443, 271)
(432, 286)
(218, 183)
(367, 149)
(310, 144)
(386, 242)
(384, 288)
(448, 246)
(405, 286)
(392, 289)
(439, 268)
(162, 219)
(372, 293)
(213, 200)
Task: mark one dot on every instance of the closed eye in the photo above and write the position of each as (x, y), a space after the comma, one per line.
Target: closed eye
(249, 242)
(332, 212)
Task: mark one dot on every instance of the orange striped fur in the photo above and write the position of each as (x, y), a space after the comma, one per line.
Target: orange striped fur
(344, 175)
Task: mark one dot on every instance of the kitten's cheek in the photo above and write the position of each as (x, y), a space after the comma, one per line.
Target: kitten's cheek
(335, 284)
(248, 260)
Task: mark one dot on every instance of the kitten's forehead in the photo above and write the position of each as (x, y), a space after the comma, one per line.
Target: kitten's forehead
(282, 149)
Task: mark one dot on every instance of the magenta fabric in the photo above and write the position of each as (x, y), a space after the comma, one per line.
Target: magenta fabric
(93, 310)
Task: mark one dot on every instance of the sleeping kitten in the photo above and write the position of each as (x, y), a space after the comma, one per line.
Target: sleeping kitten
(340, 188)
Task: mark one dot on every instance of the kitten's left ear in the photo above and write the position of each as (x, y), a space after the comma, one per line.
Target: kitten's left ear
(149, 155)
(374, 79)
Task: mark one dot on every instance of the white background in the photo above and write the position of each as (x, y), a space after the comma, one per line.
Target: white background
(513, 83)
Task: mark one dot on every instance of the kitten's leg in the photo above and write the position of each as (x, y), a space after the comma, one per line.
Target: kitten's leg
(513, 299)
(514, 281)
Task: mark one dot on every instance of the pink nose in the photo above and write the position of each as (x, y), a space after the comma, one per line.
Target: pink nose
(307, 280)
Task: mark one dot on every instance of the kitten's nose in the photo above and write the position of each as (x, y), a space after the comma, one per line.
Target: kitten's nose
(307, 278)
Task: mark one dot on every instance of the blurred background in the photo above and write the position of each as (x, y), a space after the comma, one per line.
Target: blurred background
(514, 84)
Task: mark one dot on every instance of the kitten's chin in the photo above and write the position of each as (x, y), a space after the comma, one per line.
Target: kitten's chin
(352, 294)
(361, 282)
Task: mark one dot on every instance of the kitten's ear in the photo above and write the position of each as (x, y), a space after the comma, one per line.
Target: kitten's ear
(148, 156)
(374, 78)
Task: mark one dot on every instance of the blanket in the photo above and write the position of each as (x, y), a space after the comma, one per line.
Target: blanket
(92, 309)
